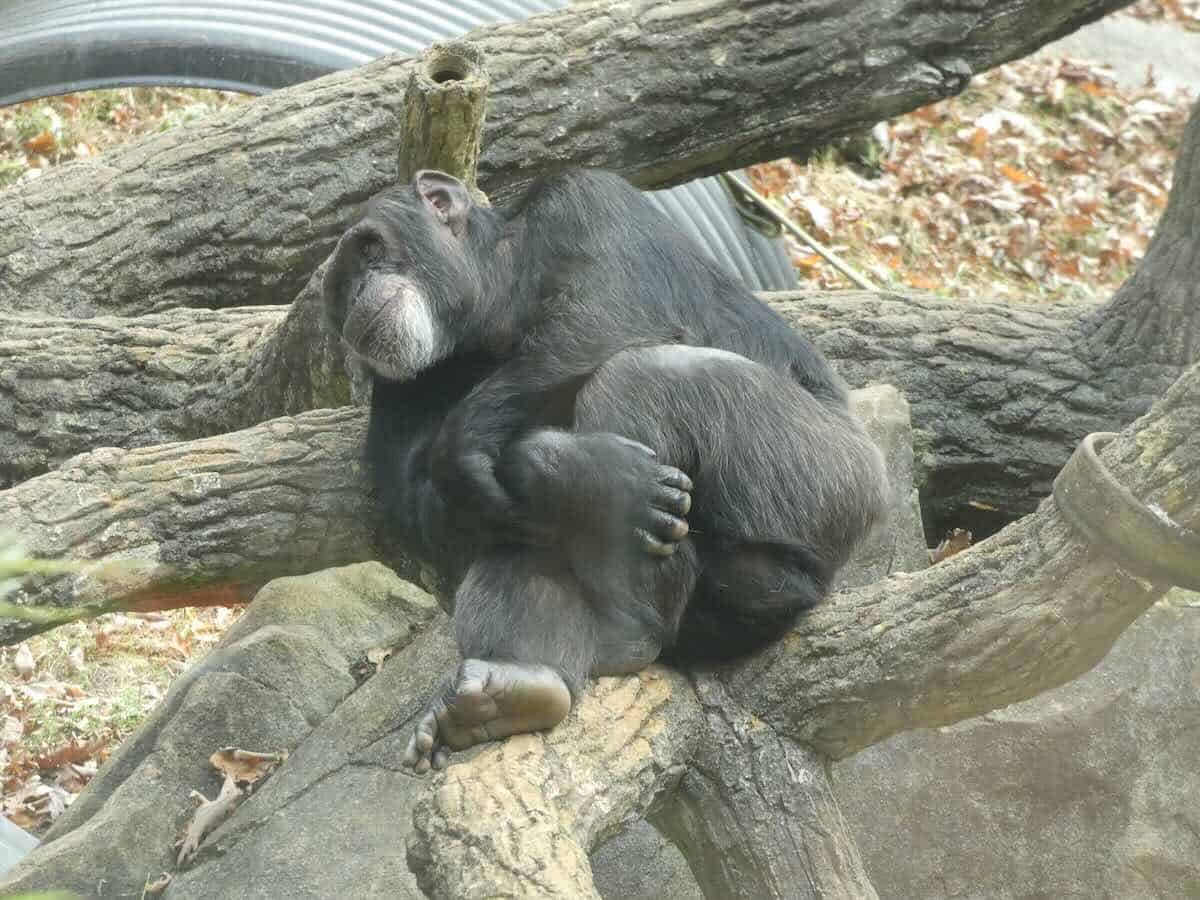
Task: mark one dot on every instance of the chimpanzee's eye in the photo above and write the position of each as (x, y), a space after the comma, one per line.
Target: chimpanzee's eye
(372, 250)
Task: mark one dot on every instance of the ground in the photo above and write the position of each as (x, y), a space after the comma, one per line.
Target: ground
(1043, 180)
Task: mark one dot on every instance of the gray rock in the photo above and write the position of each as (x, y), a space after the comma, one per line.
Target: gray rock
(1090, 790)
(281, 670)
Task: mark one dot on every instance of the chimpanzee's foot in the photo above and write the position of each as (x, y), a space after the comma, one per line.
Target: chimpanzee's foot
(486, 701)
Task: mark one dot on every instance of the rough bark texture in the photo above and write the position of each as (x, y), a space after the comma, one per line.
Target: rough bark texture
(1001, 393)
(239, 209)
(1152, 324)
(69, 385)
(211, 517)
(532, 801)
(756, 814)
(443, 113)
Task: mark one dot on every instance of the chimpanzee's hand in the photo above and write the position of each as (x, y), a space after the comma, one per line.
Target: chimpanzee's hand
(464, 469)
(598, 487)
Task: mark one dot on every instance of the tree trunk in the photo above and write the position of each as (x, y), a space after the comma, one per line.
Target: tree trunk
(1001, 393)
(755, 813)
(68, 385)
(218, 516)
(240, 208)
(1152, 326)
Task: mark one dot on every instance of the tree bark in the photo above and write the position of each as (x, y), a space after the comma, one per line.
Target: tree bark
(1152, 325)
(1001, 392)
(240, 208)
(756, 815)
(69, 385)
(533, 801)
(203, 521)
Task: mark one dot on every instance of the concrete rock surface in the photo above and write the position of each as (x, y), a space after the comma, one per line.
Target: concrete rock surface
(1090, 790)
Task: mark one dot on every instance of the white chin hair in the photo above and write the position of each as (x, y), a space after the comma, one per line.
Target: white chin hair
(405, 344)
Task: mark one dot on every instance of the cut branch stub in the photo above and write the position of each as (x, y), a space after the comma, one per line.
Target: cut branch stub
(1144, 538)
(443, 113)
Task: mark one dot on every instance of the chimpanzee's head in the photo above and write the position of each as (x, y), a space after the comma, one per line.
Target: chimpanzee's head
(406, 280)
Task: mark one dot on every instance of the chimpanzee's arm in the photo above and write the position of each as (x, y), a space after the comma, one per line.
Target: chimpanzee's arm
(494, 460)
(553, 480)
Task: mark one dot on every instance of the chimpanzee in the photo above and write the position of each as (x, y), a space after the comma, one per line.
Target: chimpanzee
(612, 448)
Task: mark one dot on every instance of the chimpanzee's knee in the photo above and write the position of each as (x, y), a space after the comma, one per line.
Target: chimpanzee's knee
(756, 443)
(665, 396)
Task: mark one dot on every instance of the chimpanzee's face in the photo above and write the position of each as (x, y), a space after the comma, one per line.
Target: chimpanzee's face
(400, 281)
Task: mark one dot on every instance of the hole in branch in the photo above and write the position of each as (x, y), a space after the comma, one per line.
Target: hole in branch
(447, 67)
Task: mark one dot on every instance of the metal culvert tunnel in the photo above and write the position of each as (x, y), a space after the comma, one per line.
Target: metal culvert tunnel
(49, 47)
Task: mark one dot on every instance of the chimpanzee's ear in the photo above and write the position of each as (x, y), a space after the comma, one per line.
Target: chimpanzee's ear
(446, 196)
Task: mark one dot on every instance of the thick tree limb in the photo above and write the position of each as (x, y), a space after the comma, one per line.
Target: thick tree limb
(756, 815)
(240, 208)
(532, 801)
(1154, 319)
(1001, 393)
(212, 517)
(69, 385)
(1030, 608)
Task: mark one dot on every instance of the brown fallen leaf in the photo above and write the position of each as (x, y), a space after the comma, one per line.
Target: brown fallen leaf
(208, 815)
(44, 143)
(956, 541)
(70, 752)
(246, 766)
(156, 887)
(1013, 174)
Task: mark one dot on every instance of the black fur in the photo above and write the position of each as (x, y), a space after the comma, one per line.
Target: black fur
(578, 318)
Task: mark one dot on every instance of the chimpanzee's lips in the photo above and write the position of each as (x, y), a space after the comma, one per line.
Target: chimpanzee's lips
(361, 322)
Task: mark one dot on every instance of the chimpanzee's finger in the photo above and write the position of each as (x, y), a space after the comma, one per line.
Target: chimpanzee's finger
(667, 527)
(673, 477)
(653, 545)
(674, 501)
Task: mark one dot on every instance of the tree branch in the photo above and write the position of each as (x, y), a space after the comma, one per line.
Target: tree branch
(200, 521)
(240, 208)
(1030, 608)
(756, 814)
(533, 799)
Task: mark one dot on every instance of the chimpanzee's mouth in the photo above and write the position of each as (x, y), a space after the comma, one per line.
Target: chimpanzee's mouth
(362, 322)
(392, 329)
